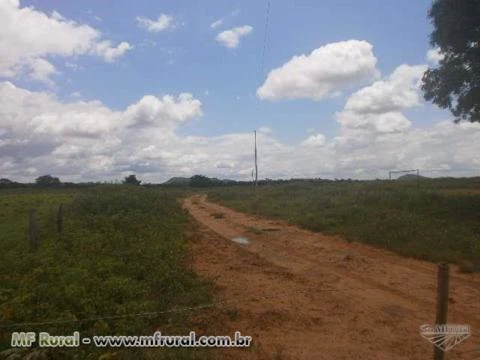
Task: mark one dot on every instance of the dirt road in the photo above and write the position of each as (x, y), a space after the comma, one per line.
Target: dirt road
(304, 295)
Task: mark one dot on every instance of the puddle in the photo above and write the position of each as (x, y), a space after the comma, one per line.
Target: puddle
(241, 240)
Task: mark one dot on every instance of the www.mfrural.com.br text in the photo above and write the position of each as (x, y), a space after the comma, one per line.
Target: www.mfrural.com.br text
(44, 339)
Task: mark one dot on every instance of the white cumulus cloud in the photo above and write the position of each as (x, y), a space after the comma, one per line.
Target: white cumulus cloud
(323, 72)
(41, 132)
(162, 23)
(385, 122)
(41, 70)
(231, 38)
(216, 23)
(110, 53)
(315, 140)
(151, 110)
(398, 91)
(378, 107)
(28, 37)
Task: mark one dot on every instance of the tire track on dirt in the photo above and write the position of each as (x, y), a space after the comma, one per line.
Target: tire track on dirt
(366, 292)
(332, 252)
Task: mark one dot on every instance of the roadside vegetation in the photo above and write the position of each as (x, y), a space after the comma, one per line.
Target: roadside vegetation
(122, 251)
(425, 220)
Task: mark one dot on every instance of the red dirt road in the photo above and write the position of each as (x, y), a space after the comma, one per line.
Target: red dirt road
(304, 295)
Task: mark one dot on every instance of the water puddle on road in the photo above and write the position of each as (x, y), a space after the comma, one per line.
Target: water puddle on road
(241, 240)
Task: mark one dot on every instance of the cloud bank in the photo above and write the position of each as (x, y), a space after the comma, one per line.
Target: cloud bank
(87, 140)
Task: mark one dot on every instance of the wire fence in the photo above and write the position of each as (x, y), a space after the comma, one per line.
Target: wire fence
(215, 304)
(219, 304)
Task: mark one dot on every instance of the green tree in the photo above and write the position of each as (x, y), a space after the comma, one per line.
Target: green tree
(47, 180)
(455, 83)
(203, 181)
(7, 183)
(131, 180)
(200, 181)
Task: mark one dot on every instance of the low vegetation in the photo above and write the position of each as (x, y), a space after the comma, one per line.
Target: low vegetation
(421, 220)
(121, 251)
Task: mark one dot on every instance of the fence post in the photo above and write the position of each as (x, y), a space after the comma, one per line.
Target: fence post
(442, 304)
(32, 229)
(60, 219)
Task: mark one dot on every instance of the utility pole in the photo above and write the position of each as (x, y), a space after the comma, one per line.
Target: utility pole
(256, 166)
(442, 304)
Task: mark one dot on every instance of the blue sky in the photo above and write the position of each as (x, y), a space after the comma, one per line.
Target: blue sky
(397, 30)
(186, 56)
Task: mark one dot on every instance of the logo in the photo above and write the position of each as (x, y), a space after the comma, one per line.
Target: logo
(445, 337)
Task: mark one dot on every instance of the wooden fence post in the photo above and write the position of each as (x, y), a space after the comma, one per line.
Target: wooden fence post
(60, 219)
(32, 229)
(442, 303)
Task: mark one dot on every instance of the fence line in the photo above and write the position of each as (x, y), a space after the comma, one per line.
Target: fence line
(190, 308)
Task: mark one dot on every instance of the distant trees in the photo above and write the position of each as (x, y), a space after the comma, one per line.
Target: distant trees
(200, 181)
(455, 83)
(203, 181)
(47, 181)
(7, 183)
(131, 180)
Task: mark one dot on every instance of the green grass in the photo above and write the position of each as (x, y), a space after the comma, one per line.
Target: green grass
(413, 221)
(122, 251)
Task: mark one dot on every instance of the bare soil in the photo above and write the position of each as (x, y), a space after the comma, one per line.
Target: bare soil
(305, 295)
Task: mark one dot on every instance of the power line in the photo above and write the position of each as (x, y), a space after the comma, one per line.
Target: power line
(265, 38)
(262, 66)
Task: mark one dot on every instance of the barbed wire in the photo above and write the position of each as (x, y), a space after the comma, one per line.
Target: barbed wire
(110, 317)
(192, 308)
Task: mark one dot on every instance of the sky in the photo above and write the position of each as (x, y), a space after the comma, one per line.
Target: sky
(98, 90)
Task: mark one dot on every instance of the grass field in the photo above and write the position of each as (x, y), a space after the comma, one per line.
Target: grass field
(437, 219)
(122, 251)
(123, 248)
